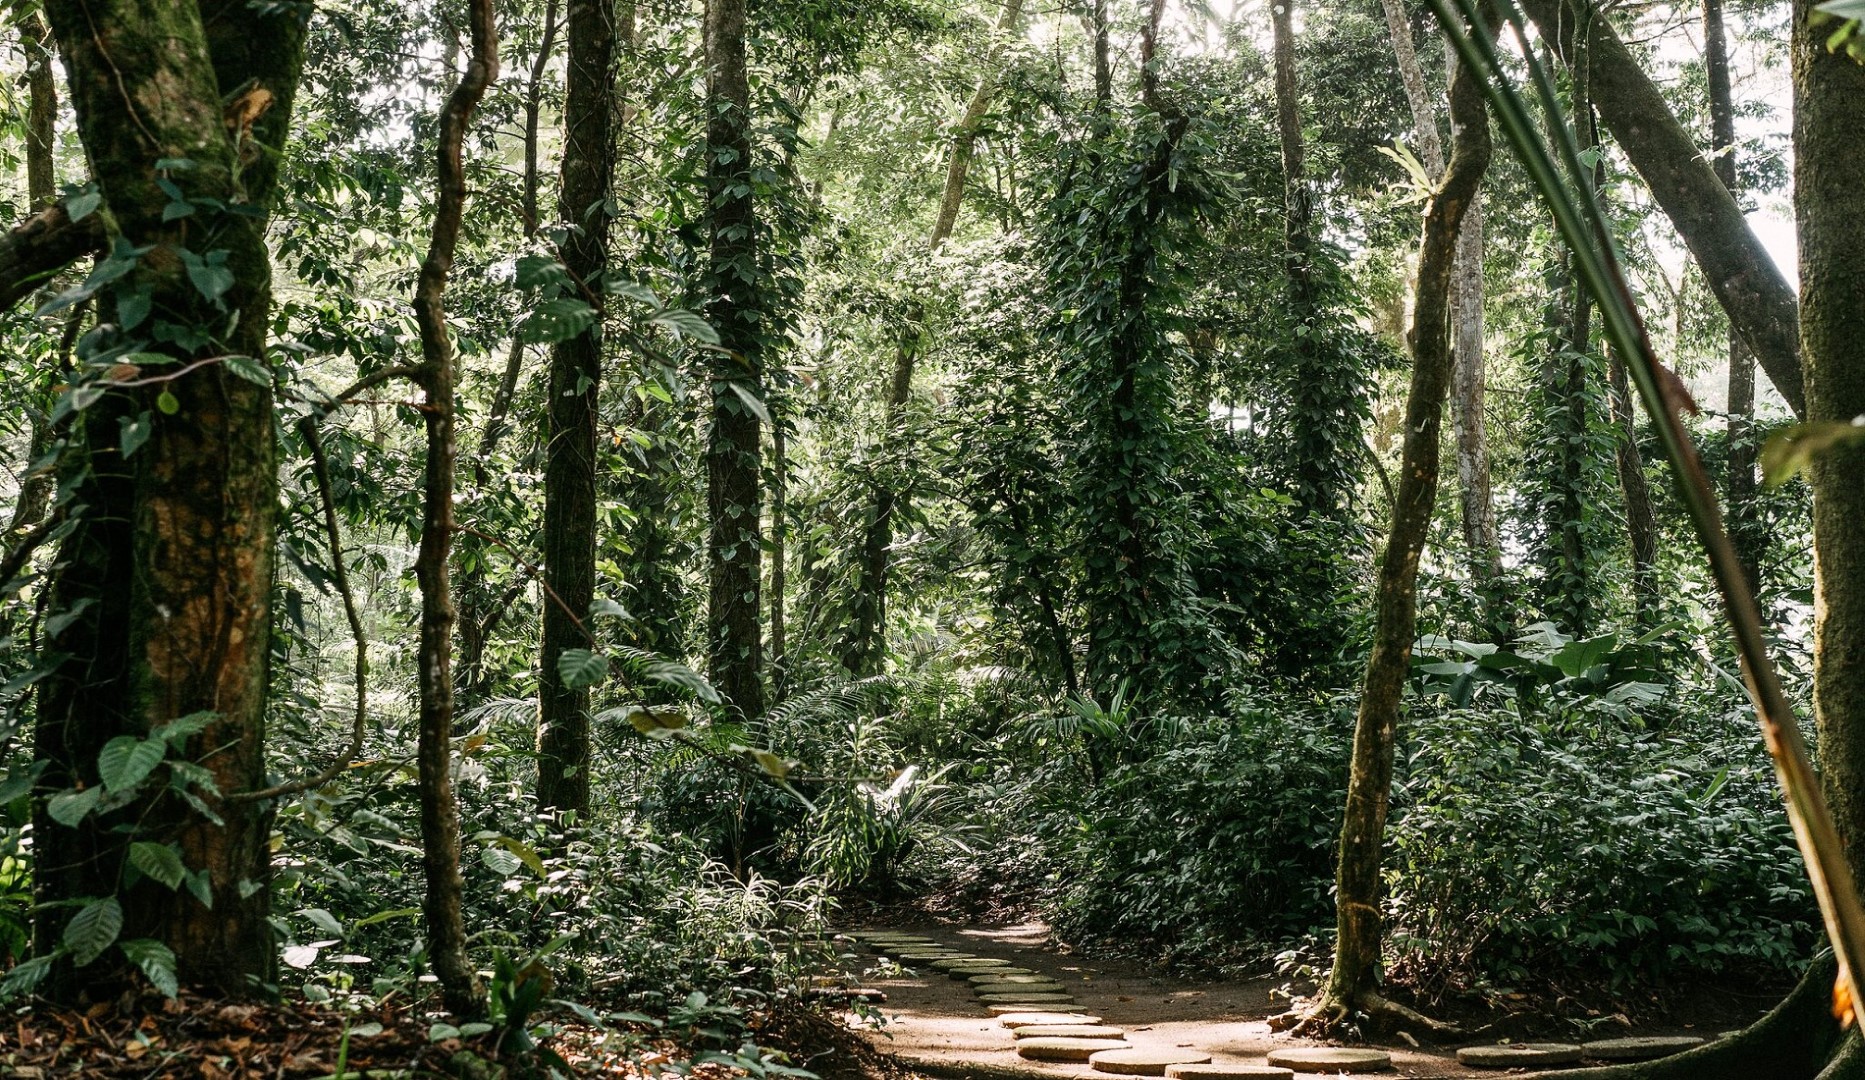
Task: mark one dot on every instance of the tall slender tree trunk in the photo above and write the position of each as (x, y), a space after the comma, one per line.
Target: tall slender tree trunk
(1467, 301)
(734, 495)
(575, 375)
(480, 612)
(1739, 491)
(862, 647)
(1353, 983)
(780, 568)
(1759, 301)
(1640, 520)
(167, 573)
(35, 489)
(1311, 468)
(440, 811)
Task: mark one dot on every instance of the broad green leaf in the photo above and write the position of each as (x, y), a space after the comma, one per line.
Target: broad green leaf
(134, 432)
(79, 207)
(156, 962)
(177, 731)
(677, 674)
(161, 862)
(127, 761)
(578, 668)
(323, 920)
(1844, 9)
(70, 807)
(656, 723)
(20, 780)
(26, 975)
(500, 861)
(253, 371)
(556, 320)
(93, 929)
(539, 270)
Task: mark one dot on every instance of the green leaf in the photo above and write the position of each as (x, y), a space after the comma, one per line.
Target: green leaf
(70, 807)
(323, 920)
(133, 307)
(167, 403)
(500, 861)
(556, 320)
(79, 207)
(578, 668)
(156, 962)
(134, 432)
(177, 731)
(20, 780)
(656, 723)
(198, 882)
(93, 929)
(535, 271)
(1788, 452)
(677, 674)
(1842, 9)
(26, 975)
(162, 862)
(253, 371)
(126, 761)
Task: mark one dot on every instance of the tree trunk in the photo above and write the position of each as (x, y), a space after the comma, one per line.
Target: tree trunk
(480, 612)
(1640, 522)
(1800, 1040)
(168, 571)
(1352, 985)
(780, 569)
(1739, 491)
(965, 134)
(1467, 301)
(440, 811)
(1759, 301)
(575, 374)
(734, 497)
(35, 489)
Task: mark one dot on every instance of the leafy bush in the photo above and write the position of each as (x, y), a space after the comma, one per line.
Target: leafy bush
(1576, 842)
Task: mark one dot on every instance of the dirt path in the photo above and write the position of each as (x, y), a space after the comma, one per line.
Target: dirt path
(936, 1019)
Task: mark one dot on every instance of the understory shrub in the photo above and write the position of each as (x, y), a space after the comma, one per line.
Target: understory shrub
(1577, 844)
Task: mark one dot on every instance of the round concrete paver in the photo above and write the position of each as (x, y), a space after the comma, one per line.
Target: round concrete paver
(968, 971)
(994, 977)
(1019, 1020)
(926, 957)
(1329, 1059)
(1043, 986)
(1025, 999)
(1060, 1049)
(1137, 1062)
(971, 961)
(1228, 1072)
(1639, 1049)
(1518, 1055)
(1008, 1008)
(1070, 1031)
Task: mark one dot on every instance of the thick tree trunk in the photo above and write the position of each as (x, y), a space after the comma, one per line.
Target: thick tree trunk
(440, 811)
(575, 374)
(734, 495)
(35, 489)
(1739, 491)
(169, 568)
(1759, 301)
(1353, 983)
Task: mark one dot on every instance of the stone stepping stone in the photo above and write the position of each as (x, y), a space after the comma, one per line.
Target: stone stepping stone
(1330, 1059)
(1019, 1020)
(967, 971)
(1008, 1008)
(928, 956)
(1061, 1049)
(1228, 1072)
(1044, 986)
(1026, 1000)
(971, 961)
(997, 977)
(1070, 1031)
(1639, 1049)
(1518, 1055)
(1136, 1062)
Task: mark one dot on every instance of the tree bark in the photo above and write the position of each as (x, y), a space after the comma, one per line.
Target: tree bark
(734, 496)
(965, 134)
(42, 245)
(780, 567)
(1352, 985)
(1739, 490)
(169, 567)
(35, 488)
(476, 622)
(1759, 301)
(440, 811)
(575, 375)
(1640, 520)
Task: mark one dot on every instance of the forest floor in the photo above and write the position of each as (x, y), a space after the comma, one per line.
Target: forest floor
(935, 1025)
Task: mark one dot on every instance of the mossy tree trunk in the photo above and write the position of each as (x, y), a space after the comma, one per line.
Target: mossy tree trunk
(734, 491)
(1352, 985)
(168, 572)
(575, 376)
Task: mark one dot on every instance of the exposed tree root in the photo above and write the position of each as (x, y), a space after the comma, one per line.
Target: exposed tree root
(1798, 1040)
(1327, 1015)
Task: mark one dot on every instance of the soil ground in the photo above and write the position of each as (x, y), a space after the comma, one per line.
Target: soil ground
(934, 1023)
